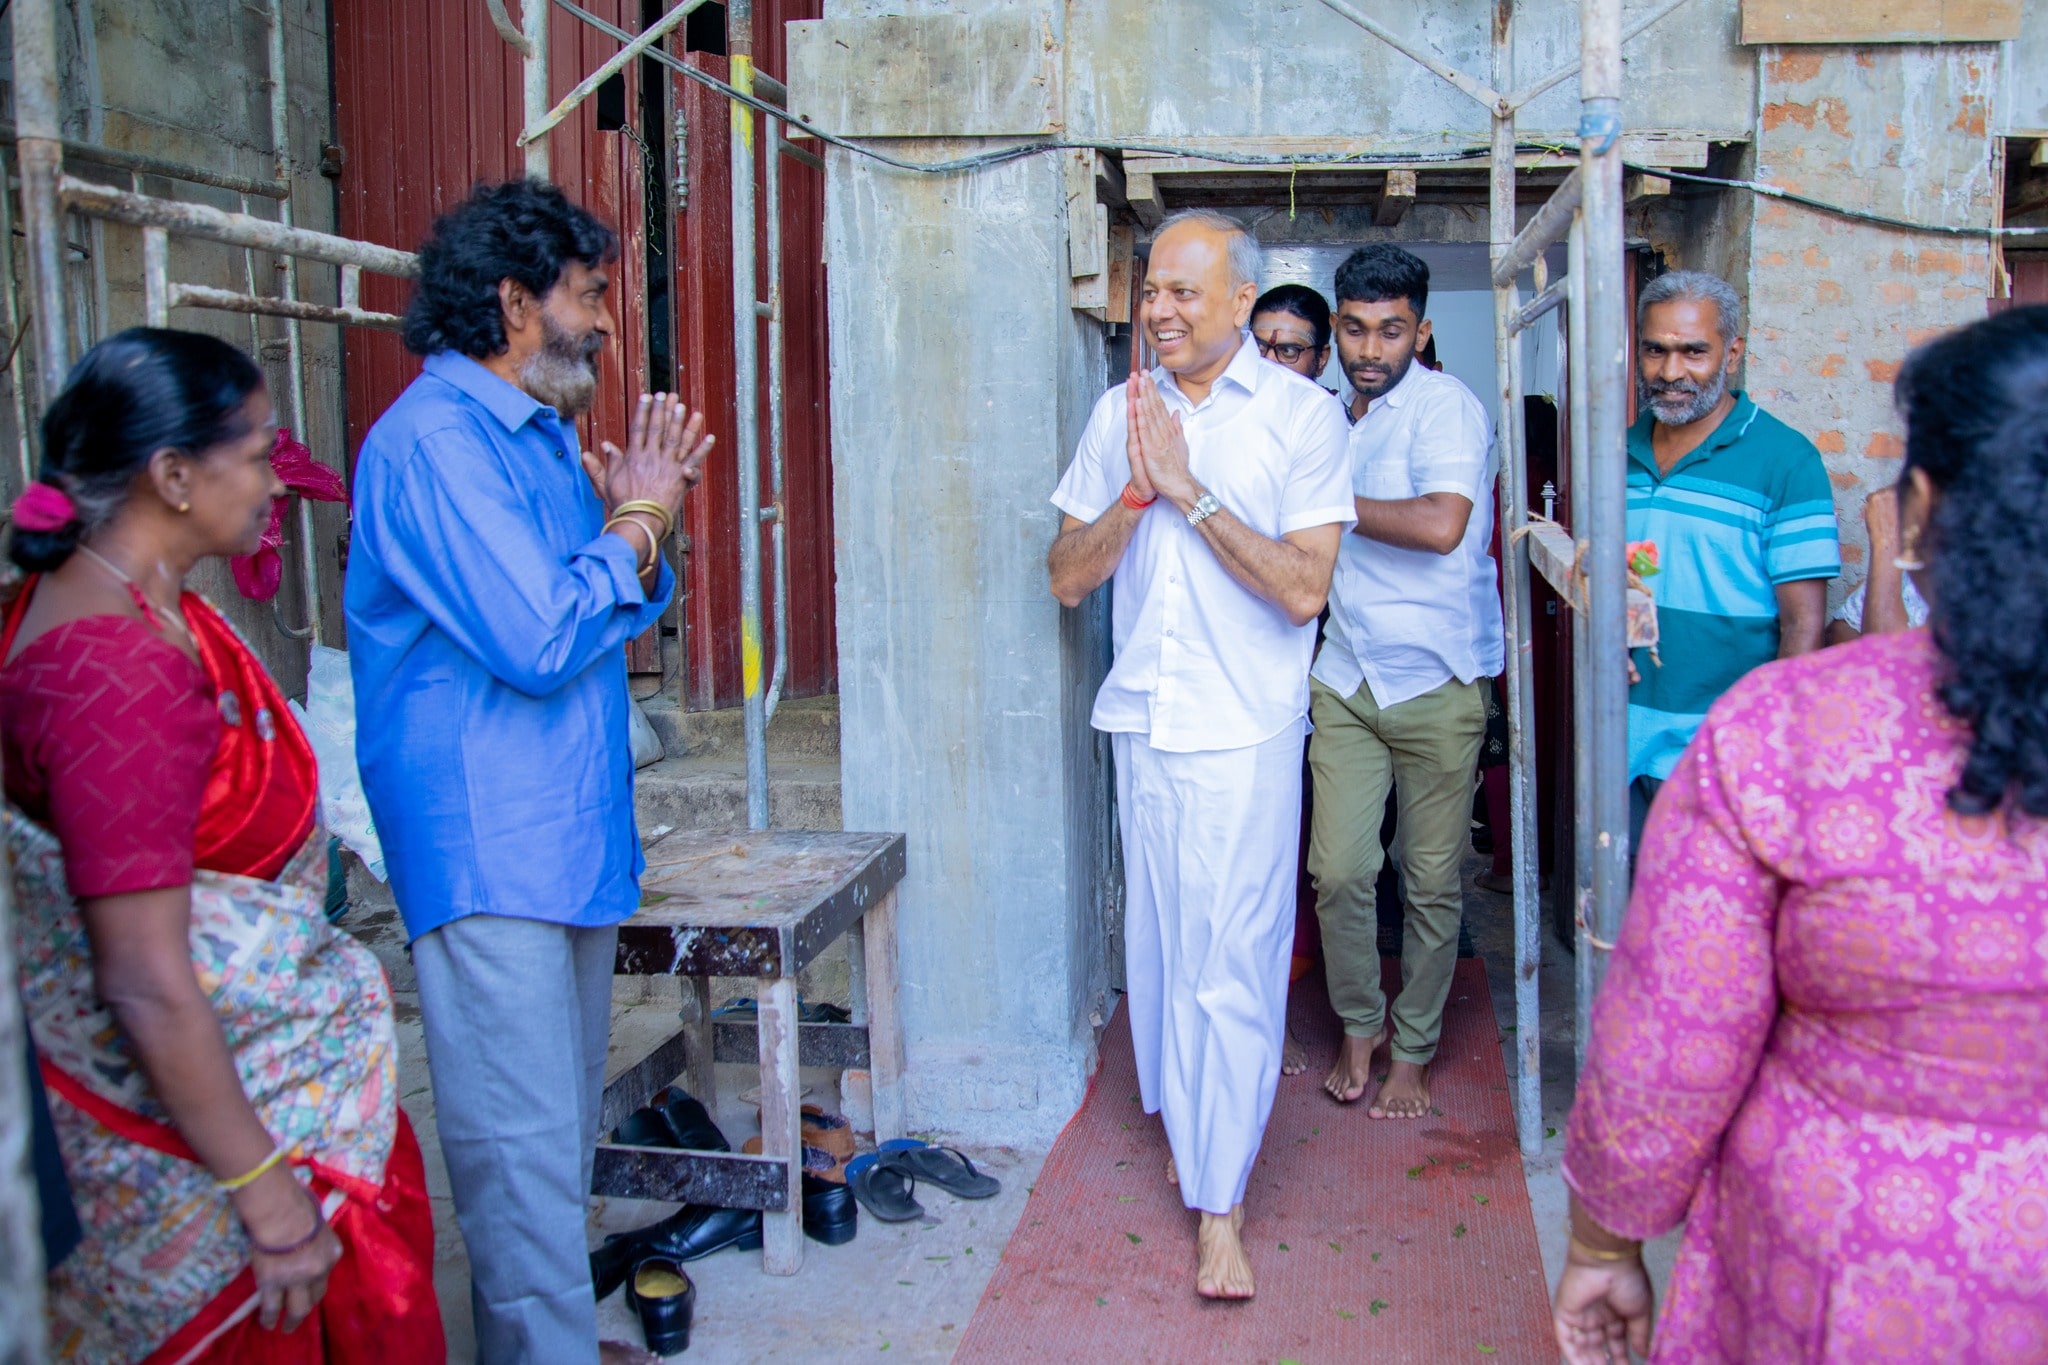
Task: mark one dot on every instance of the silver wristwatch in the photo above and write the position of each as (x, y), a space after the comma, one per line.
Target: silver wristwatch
(1205, 507)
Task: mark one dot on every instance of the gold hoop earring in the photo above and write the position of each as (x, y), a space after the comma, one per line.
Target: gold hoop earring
(1908, 559)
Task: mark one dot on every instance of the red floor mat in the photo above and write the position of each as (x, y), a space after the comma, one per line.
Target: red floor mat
(1371, 1239)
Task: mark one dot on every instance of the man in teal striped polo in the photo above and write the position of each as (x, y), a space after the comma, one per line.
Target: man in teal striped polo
(1742, 515)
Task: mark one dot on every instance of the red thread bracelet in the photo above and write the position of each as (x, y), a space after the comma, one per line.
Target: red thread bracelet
(1137, 504)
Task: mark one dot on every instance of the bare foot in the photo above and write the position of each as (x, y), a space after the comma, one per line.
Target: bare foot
(1405, 1095)
(1353, 1072)
(1222, 1270)
(1172, 1175)
(624, 1353)
(1293, 1056)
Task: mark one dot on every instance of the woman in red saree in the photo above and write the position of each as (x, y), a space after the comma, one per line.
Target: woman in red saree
(221, 1062)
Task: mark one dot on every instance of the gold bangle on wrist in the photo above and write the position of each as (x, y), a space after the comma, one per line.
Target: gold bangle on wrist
(251, 1176)
(1629, 1255)
(653, 544)
(653, 509)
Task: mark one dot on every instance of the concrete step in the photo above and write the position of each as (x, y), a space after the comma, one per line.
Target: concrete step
(805, 728)
(710, 791)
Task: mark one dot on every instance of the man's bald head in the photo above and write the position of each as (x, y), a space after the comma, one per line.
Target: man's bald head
(1201, 280)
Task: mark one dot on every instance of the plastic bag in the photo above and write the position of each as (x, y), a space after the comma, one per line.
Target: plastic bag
(646, 744)
(329, 719)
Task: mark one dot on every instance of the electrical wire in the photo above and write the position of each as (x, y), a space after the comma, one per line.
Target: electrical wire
(1000, 155)
(1859, 215)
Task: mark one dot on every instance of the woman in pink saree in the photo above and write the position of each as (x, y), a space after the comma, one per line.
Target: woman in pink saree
(1823, 1039)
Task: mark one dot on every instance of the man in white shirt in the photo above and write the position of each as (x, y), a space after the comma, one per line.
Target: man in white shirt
(1415, 629)
(1215, 489)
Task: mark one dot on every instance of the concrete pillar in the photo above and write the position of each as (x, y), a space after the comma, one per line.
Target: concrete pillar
(1835, 305)
(960, 380)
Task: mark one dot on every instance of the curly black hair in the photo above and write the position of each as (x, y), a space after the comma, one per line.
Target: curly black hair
(138, 392)
(1380, 271)
(1975, 404)
(1300, 301)
(524, 230)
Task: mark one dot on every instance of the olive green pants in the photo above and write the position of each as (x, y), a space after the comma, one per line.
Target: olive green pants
(1428, 748)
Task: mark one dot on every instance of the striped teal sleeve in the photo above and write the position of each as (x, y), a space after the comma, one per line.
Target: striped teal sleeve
(1800, 536)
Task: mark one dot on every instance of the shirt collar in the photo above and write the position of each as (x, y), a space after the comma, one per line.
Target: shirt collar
(1245, 369)
(1732, 428)
(513, 406)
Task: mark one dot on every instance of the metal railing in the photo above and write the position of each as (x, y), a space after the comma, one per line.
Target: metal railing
(47, 193)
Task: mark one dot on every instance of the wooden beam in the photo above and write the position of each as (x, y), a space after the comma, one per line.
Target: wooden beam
(1552, 554)
(1642, 185)
(1109, 178)
(1880, 21)
(1141, 192)
(1397, 196)
(1122, 257)
(1323, 157)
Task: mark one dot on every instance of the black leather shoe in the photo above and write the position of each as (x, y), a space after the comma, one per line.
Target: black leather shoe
(690, 1125)
(690, 1233)
(661, 1292)
(643, 1128)
(831, 1214)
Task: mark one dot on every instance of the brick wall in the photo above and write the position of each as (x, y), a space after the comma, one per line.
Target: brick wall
(1835, 305)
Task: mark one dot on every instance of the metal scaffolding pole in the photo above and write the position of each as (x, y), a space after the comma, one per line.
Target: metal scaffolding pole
(1606, 381)
(534, 87)
(746, 319)
(294, 342)
(777, 511)
(1580, 485)
(1520, 672)
(39, 153)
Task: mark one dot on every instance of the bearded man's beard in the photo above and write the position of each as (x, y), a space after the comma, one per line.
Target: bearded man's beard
(563, 372)
(1682, 401)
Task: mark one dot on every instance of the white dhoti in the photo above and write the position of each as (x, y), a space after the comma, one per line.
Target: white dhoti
(1211, 847)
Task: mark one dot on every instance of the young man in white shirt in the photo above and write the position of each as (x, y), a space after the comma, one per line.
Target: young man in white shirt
(1415, 628)
(1215, 489)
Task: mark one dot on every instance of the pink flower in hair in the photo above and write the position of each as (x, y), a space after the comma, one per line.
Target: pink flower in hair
(258, 575)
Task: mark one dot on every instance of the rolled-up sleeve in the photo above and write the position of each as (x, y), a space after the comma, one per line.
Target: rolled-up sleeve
(460, 543)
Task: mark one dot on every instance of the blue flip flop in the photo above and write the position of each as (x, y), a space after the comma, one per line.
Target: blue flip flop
(883, 1192)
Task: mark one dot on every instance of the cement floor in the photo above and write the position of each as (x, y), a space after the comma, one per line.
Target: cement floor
(904, 1291)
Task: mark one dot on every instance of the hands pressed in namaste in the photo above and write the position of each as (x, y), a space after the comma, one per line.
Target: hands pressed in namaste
(1158, 447)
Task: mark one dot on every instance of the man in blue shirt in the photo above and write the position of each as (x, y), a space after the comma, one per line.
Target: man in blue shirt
(496, 569)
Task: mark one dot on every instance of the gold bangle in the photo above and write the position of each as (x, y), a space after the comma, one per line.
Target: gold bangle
(1631, 1254)
(668, 523)
(653, 545)
(277, 1154)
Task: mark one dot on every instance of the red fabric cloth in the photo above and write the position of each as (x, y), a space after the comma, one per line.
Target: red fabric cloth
(107, 733)
(379, 1308)
(143, 764)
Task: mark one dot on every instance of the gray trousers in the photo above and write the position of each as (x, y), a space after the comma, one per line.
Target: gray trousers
(517, 1016)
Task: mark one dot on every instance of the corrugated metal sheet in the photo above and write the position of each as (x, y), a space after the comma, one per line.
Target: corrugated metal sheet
(427, 104)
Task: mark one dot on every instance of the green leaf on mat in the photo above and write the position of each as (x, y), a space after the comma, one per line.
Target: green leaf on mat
(1375, 1258)
(1135, 1238)
(1127, 1199)
(1486, 1350)
(1335, 1247)
(1480, 1199)
(1283, 1246)
(1346, 1314)
(1377, 1306)
(1415, 1172)
(1101, 1302)
(1550, 1132)
(1463, 1166)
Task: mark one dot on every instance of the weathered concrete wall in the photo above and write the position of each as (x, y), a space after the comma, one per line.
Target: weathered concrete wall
(2023, 108)
(1284, 68)
(960, 380)
(214, 113)
(1835, 305)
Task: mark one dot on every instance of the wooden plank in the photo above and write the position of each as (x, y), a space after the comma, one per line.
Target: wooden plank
(1637, 185)
(633, 1087)
(1553, 554)
(1880, 21)
(1326, 156)
(1141, 192)
(704, 1047)
(836, 1046)
(885, 1029)
(729, 1180)
(782, 1234)
(1397, 196)
(1122, 260)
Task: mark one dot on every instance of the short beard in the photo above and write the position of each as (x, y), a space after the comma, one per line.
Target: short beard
(1700, 399)
(1381, 390)
(563, 372)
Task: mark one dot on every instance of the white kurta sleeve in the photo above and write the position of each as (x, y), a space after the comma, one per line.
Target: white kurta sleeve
(1318, 489)
(1100, 467)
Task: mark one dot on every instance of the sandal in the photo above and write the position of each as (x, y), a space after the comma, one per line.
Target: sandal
(946, 1167)
(883, 1192)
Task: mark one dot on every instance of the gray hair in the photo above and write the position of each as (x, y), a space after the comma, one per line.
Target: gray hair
(1696, 286)
(1247, 261)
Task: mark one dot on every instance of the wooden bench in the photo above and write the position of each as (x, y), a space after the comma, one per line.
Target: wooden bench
(763, 904)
